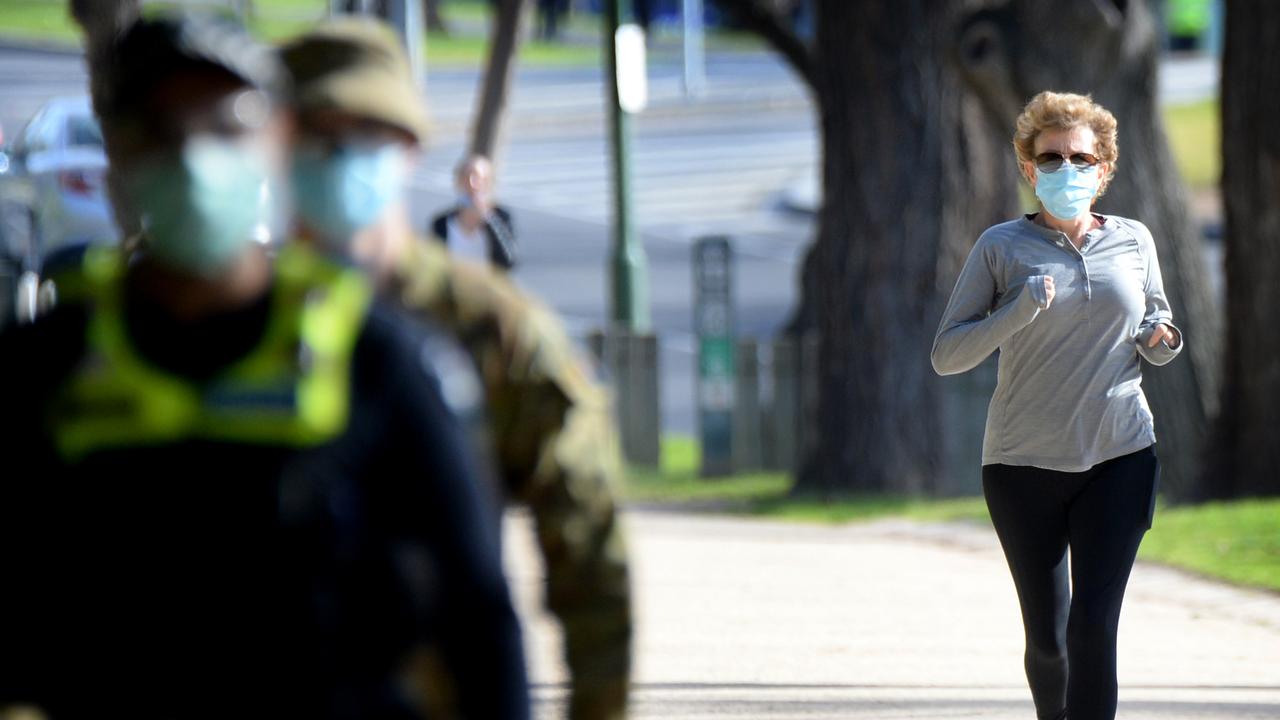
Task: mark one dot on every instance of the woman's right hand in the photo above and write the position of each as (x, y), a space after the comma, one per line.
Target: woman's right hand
(1041, 289)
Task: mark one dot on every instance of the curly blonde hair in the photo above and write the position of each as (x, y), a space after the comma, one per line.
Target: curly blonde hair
(1064, 111)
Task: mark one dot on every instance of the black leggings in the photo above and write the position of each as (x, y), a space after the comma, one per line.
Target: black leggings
(1101, 514)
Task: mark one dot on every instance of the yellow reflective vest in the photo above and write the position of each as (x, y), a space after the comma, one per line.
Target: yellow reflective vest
(292, 389)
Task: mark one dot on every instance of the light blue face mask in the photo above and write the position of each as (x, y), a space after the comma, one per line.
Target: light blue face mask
(1068, 192)
(200, 207)
(336, 194)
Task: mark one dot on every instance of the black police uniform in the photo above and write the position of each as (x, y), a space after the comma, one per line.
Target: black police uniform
(199, 577)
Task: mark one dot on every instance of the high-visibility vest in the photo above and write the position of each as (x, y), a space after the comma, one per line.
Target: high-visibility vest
(293, 389)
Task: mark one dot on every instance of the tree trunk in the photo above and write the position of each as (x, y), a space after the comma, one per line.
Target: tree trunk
(504, 45)
(888, 109)
(1247, 454)
(895, 228)
(1016, 48)
(103, 21)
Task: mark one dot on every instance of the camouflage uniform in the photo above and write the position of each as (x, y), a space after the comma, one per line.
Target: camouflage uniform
(557, 452)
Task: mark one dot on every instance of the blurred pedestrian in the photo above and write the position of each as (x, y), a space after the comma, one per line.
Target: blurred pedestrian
(552, 427)
(643, 13)
(1071, 299)
(236, 484)
(477, 229)
(549, 12)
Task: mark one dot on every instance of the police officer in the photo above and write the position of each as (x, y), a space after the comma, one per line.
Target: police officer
(236, 485)
(361, 123)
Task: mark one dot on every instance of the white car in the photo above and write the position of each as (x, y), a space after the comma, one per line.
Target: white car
(55, 172)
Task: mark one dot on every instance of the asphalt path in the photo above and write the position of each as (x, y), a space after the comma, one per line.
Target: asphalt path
(740, 618)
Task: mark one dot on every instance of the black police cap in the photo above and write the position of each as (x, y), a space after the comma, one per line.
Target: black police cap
(155, 48)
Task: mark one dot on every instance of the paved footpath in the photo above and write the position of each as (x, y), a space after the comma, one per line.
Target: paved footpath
(741, 618)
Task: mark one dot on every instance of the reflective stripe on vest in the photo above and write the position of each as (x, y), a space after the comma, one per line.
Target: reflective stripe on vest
(292, 389)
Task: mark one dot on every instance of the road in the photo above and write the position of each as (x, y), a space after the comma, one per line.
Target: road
(741, 618)
(725, 163)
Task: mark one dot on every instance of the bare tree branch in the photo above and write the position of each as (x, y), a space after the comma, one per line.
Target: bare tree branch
(504, 45)
(761, 17)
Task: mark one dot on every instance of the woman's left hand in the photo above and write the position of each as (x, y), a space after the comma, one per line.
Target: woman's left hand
(1163, 332)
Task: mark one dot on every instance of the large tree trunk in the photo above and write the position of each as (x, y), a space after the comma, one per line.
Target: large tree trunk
(103, 22)
(504, 44)
(888, 108)
(1247, 454)
(1108, 48)
(911, 176)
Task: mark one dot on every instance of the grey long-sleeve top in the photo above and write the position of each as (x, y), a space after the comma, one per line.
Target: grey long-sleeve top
(1069, 389)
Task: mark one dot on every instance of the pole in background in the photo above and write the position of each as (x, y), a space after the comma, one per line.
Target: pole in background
(694, 49)
(406, 17)
(630, 267)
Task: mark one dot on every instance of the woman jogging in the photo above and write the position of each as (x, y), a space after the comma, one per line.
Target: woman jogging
(1071, 299)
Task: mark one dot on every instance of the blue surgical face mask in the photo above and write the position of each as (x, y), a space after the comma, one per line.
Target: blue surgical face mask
(201, 206)
(1067, 193)
(338, 193)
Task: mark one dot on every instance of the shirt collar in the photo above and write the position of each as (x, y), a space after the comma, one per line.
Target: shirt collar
(1052, 235)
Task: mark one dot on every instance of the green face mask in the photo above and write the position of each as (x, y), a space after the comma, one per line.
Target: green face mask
(201, 205)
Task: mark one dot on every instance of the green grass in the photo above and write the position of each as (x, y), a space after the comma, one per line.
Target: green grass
(1196, 140)
(1237, 541)
(38, 20)
(278, 19)
(677, 482)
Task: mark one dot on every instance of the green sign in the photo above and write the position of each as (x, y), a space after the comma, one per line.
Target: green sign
(713, 322)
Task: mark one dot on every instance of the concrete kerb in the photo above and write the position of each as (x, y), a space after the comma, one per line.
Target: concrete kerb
(40, 45)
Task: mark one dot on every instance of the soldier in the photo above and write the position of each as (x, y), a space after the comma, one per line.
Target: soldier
(358, 110)
(236, 485)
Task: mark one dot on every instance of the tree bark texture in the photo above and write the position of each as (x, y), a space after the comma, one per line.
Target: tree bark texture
(1010, 50)
(911, 176)
(504, 45)
(888, 109)
(103, 22)
(1247, 451)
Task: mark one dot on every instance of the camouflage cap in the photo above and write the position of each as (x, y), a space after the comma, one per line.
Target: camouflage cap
(357, 66)
(154, 48)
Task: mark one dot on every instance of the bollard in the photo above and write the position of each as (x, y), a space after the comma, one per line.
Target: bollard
(629, 367)
(784, 411)
(810, 391)
(644, 410)
(748, 446)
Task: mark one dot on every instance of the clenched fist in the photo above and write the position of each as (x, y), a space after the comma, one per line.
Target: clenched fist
(1041, 289)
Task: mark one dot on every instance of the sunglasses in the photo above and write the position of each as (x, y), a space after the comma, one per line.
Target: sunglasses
(1051, 162)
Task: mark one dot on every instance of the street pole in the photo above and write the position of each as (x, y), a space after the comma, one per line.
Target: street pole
(406, 17)
(694, 49)
(630, 276)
